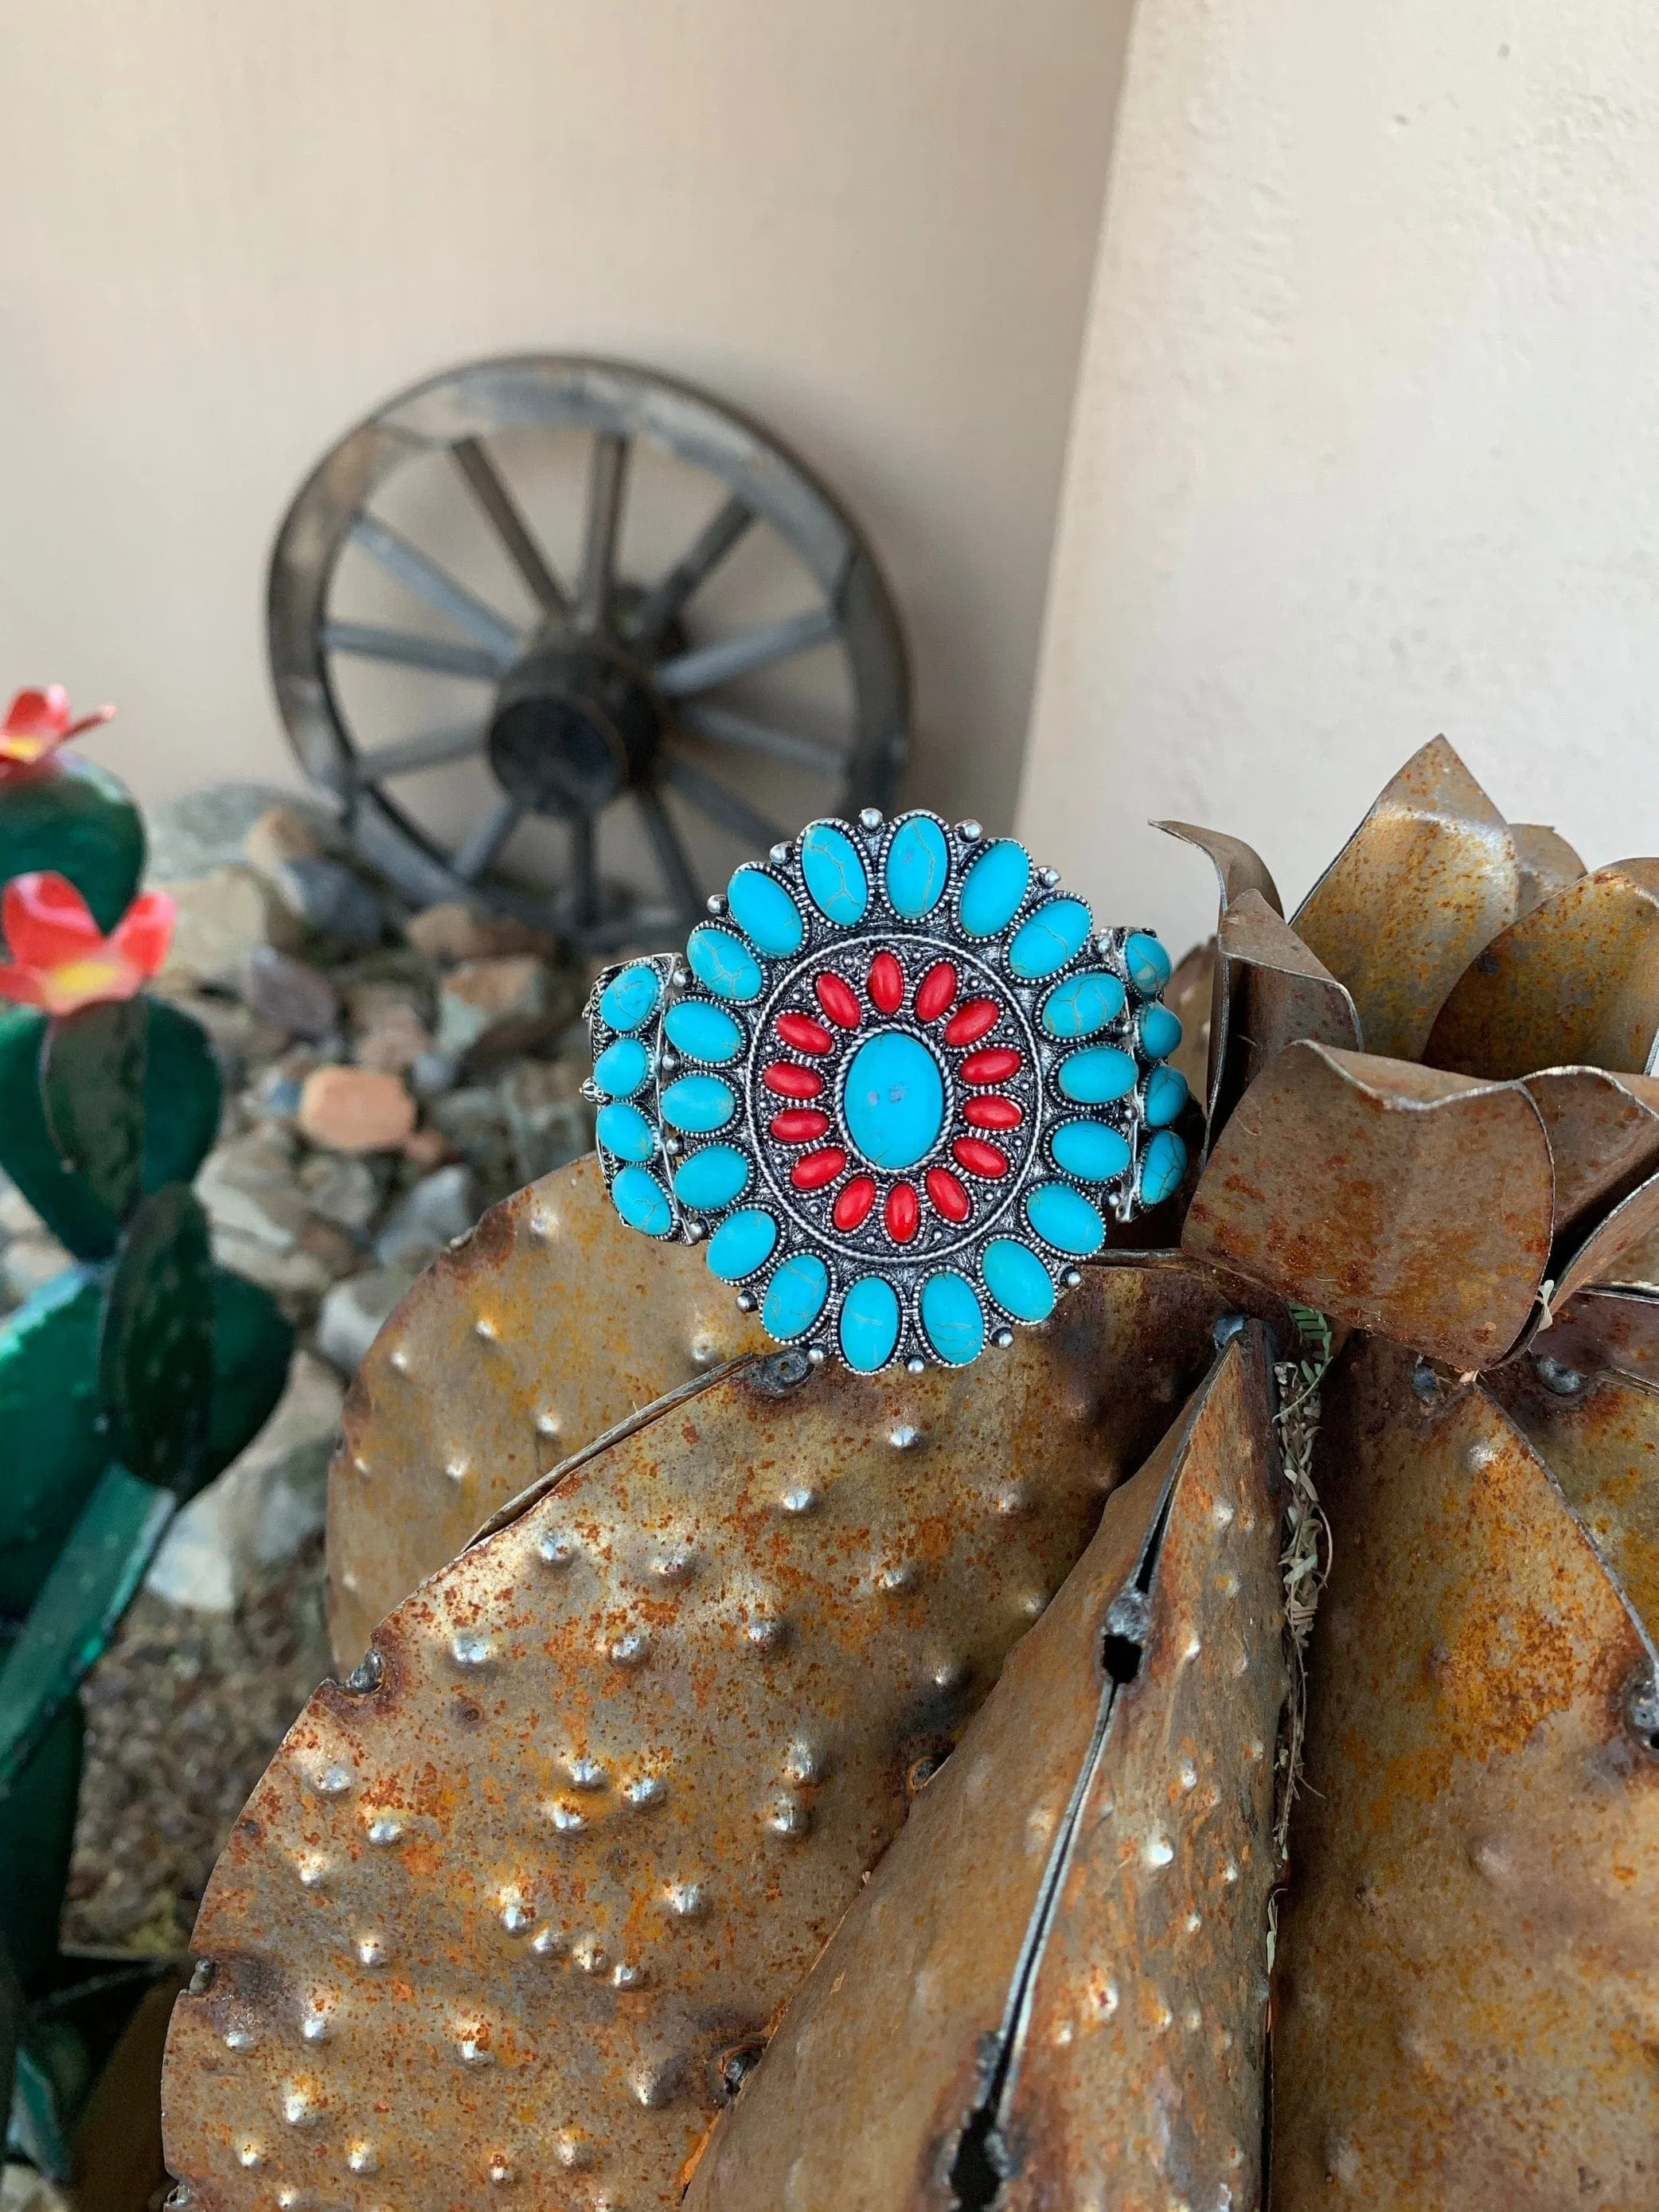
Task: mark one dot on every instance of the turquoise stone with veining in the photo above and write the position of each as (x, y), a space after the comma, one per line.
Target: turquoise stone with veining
(1082, 1004)
(869, 1324)
(1097, 1075)
(1147, 962)
(1160, 1031)
(993, 888)
(765, 913)
(1162, 1166)
(631, 998)
(1017, 1279)
(743, 1242)
(701, 1031)
(1058, 930)
(894, 1101)
(624, 1131)
(698, 1104)
(723, 963)
(1065, 1220)
(1164, 1096)
(621, 1068)
(641, 1201)
(711, 1178)
(918, 865)
(836, 880)
(794, 1296)
(952, 1319)
(1090, 1150)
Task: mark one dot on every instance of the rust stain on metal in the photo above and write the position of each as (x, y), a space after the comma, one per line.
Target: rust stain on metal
(1271, 991)
(1074, 1923)
(1238, 867)
(626, 1763)
(1428, 876)
(551, 1323)
(1604, 1141)
(1470, 1947)
(1397, 1198)
(1187, 995)
(1547, 862)
(1576, 980)
(1619, 1249)
(1613, 1331)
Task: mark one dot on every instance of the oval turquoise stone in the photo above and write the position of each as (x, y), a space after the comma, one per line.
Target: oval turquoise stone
(1082, 1004)
(834, 868)
(701, 1031)
(1162, 1166)
(1090, 1150)
(794, 1296)
(952, 1319)
(869, 1324)
(723, 963)
(698, 1104)
(894, 1101)
(1017, 1279)
(743, 1242)
(631, 998)
(1164, 1096)
(624, 1131)
(1147, 962)
(765, 913)
(994, 887)
(621, 1067)
(641, 1201)
(918, 865)
(1058, 930)
(711, 1178)
(1160, 1032)
(1101, 1074)
(1065, 1220)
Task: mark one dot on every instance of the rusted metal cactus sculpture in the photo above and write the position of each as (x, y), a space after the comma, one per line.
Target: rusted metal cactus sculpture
(686, 1837)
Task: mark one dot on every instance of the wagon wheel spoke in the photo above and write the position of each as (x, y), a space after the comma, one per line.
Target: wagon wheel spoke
(718, 805)
(429, 749)
(498, 503)
(722, 727)
(704, 666)
(486, 838)
(439, 590)
(605, 485)
(672, 856)
(369, 642)
(671, 592)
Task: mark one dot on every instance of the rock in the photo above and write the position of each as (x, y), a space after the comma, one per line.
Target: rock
(355, 1110)
(275, 1091)
(287, 994)
(29, 1261)
(330, 900)
(249, 1188)
(240, 1039)
(204, 829)
(278, 836)
(24, 2189)
(221, 918)
(17, 1217)
(354, 1310)
(489, 1009)
(454, 930)
(296, 1279)
(438, 1207)
(475, 1121)
(547, 1118)
(264, 1504)
(433, 1074)
(391, 1034)
(428, 1148)
(342, 1189)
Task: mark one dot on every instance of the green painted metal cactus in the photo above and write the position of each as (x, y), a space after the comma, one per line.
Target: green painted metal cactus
(131, 1378)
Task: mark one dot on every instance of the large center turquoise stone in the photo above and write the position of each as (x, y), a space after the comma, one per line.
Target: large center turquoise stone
(894, 1101)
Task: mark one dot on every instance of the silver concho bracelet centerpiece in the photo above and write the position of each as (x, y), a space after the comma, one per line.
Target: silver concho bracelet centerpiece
(895, 1084)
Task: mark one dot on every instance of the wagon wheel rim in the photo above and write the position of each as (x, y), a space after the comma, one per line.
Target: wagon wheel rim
(590, 705)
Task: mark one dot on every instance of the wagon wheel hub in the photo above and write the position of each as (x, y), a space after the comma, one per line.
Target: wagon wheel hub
(576, 724)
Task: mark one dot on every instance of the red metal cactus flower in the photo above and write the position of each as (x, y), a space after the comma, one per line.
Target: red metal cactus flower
(60, 958)
(37, 722)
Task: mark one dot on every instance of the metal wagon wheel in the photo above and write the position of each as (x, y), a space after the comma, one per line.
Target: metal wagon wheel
(589, 705)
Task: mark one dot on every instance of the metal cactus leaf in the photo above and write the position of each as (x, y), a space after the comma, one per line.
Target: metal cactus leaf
(1429, 877)
(72, 815)
(1576, 980)
(625, 1762)
(1239, 867)
(1074, 1921)
(1270, 991)
(1469, 1947)
(1547, 862)
(1604, 1331)
(1604, 1141)
(91, 1092)
(1405, 1200)
(155, 1343)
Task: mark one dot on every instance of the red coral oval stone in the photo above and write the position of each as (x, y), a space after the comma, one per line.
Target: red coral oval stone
(904, 1213)
(995, 1066)
(948, 1194)
(992, 1113)
(839, 1000)
(789, 1081)
(979, 1158)
(798, 1125)
(803, 1033)
(969, 1025)
(855, 1202)
(936, 991)
(886, 983)
(813, 1170)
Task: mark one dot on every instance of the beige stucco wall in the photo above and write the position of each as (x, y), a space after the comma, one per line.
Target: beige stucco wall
(231, 228)
(1367, 437)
